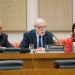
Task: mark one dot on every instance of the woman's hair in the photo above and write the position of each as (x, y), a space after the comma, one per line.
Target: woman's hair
(73, 27)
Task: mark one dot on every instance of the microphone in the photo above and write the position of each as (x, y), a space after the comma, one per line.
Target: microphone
(57, 39)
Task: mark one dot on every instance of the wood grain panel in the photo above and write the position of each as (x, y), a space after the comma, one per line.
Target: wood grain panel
(38, 72)
(57, 14)
(38, 61)
(13, 15)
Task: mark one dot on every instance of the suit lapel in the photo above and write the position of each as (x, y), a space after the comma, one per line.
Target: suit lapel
(34, 38)
(3, 38)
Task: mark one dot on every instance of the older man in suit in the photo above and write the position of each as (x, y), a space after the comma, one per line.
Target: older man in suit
(39, 37)
(4, 39)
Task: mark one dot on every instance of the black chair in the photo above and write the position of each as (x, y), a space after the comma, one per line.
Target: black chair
(64, 63)
(11, 64)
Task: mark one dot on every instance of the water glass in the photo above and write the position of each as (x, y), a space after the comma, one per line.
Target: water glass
(31, 47)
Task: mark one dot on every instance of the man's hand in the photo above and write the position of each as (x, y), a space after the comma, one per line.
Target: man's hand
(40, 50)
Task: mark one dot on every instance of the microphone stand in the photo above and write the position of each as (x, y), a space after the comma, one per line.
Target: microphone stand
(57, 39)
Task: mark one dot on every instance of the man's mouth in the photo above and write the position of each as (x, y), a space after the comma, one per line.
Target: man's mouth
(42, 32)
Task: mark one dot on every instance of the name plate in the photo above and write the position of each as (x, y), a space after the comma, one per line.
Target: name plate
(54, 48)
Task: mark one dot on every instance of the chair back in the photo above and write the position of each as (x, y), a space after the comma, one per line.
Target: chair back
(64, 63)
(11, 64)
(62, 40)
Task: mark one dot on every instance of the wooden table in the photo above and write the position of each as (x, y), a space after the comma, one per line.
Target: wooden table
(38, 61)
(38, 72)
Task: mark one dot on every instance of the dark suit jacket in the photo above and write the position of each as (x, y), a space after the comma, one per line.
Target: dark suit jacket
(4, 42)
(30, 38)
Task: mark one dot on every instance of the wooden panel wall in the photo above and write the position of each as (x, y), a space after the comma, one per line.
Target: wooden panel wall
(13, 15)
(57, 14)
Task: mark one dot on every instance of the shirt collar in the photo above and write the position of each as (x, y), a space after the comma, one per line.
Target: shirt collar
(38, 35)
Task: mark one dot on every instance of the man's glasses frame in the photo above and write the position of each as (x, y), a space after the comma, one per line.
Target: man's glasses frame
(41, 27)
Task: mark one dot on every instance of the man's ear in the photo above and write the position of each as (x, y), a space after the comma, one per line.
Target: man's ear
(34, 26)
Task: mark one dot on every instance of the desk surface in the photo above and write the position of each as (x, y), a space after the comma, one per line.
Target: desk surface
(38, 72)
(35, 66)
(37, 55)
(38, 61)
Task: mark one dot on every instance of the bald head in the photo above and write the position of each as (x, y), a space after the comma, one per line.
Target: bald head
(39, 20)
(40, 26)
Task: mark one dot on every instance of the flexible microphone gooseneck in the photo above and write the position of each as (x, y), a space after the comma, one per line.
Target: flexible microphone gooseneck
(57, 39)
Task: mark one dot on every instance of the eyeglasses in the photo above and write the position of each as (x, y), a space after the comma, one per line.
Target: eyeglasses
(41, 27)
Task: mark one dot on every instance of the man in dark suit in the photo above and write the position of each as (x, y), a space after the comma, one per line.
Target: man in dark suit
(32, 37)
(4, 39)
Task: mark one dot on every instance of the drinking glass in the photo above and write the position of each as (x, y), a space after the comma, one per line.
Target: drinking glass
(31, 47)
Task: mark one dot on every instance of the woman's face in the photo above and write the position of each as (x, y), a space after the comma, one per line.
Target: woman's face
(74, 30)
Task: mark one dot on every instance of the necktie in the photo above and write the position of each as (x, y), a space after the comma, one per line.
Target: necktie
(40, 45)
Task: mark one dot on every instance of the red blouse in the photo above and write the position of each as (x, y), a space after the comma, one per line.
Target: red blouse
(68, 45)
